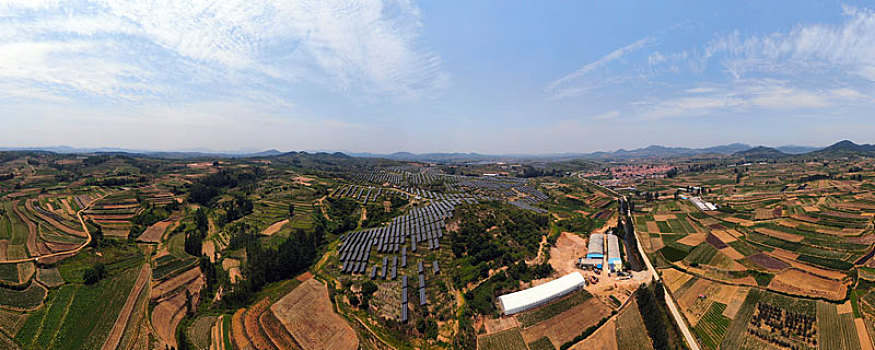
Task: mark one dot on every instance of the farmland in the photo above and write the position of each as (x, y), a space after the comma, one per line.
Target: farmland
(774, 230)
(328, 251)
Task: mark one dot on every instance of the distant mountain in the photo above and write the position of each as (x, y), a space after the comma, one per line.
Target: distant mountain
(761, 153)
(668, 152)
(845, 147)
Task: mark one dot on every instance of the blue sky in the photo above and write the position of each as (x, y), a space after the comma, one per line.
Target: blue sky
(436, 76)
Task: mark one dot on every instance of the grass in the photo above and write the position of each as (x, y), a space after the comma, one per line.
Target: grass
(505, 340)
(536, 316)
(542, 344)
(27, 299)
(712, 326)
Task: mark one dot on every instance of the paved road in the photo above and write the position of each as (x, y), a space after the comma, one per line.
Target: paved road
(672, 307)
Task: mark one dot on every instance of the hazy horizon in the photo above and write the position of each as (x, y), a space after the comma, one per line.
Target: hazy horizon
(490, 77)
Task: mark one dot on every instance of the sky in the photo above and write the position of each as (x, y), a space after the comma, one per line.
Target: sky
(484, 76)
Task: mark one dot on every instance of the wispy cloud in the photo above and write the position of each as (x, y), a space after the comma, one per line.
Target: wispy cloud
(844, 48)
(570, 85)
(812, 66)
(137, 49)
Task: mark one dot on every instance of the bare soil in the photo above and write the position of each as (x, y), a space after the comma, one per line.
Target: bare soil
(307, 314)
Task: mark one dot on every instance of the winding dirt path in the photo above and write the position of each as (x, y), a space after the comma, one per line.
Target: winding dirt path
(66, 252)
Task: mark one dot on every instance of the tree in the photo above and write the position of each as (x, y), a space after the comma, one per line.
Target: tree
(291, 210)
(94, 274)
(97, 235)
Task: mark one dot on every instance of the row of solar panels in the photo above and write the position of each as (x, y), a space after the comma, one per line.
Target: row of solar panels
(421, 225)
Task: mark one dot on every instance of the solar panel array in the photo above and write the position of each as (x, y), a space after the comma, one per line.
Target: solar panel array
(423, 225)
(362, 193)
(517, 190)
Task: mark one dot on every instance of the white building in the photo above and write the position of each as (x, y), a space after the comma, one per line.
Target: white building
(615, 261)
(540, 295)
(702, 204)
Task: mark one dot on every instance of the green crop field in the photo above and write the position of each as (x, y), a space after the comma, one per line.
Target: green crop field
(542, 344)
(701, 254)
(631, 332)
(712, 326)
(9, 273)
(664, 228)
(54, 316)
(94, 310)
(26, 299)
(835, 331)
(505, 340)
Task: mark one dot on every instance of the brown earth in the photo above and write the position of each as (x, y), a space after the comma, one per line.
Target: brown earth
(732, 253)
(724, 236)
(238, 333)
(276, 227)
(865, 340)
(735, 302)
(32, 233)
(154, 233)
(569, 324)
(276, 332)
(500, 324)
(796, 281)
(306, 313)
(605, 338)
(652, 227)
(780, 234)
(563, 256)
(118, 329)
(166, 288)
(166, 316)
(674, 279)
(693, 239)
(253, 328)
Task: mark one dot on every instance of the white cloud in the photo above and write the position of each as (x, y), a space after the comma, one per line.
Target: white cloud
(136, 48)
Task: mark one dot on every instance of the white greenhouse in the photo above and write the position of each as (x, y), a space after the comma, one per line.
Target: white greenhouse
(540, 295)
